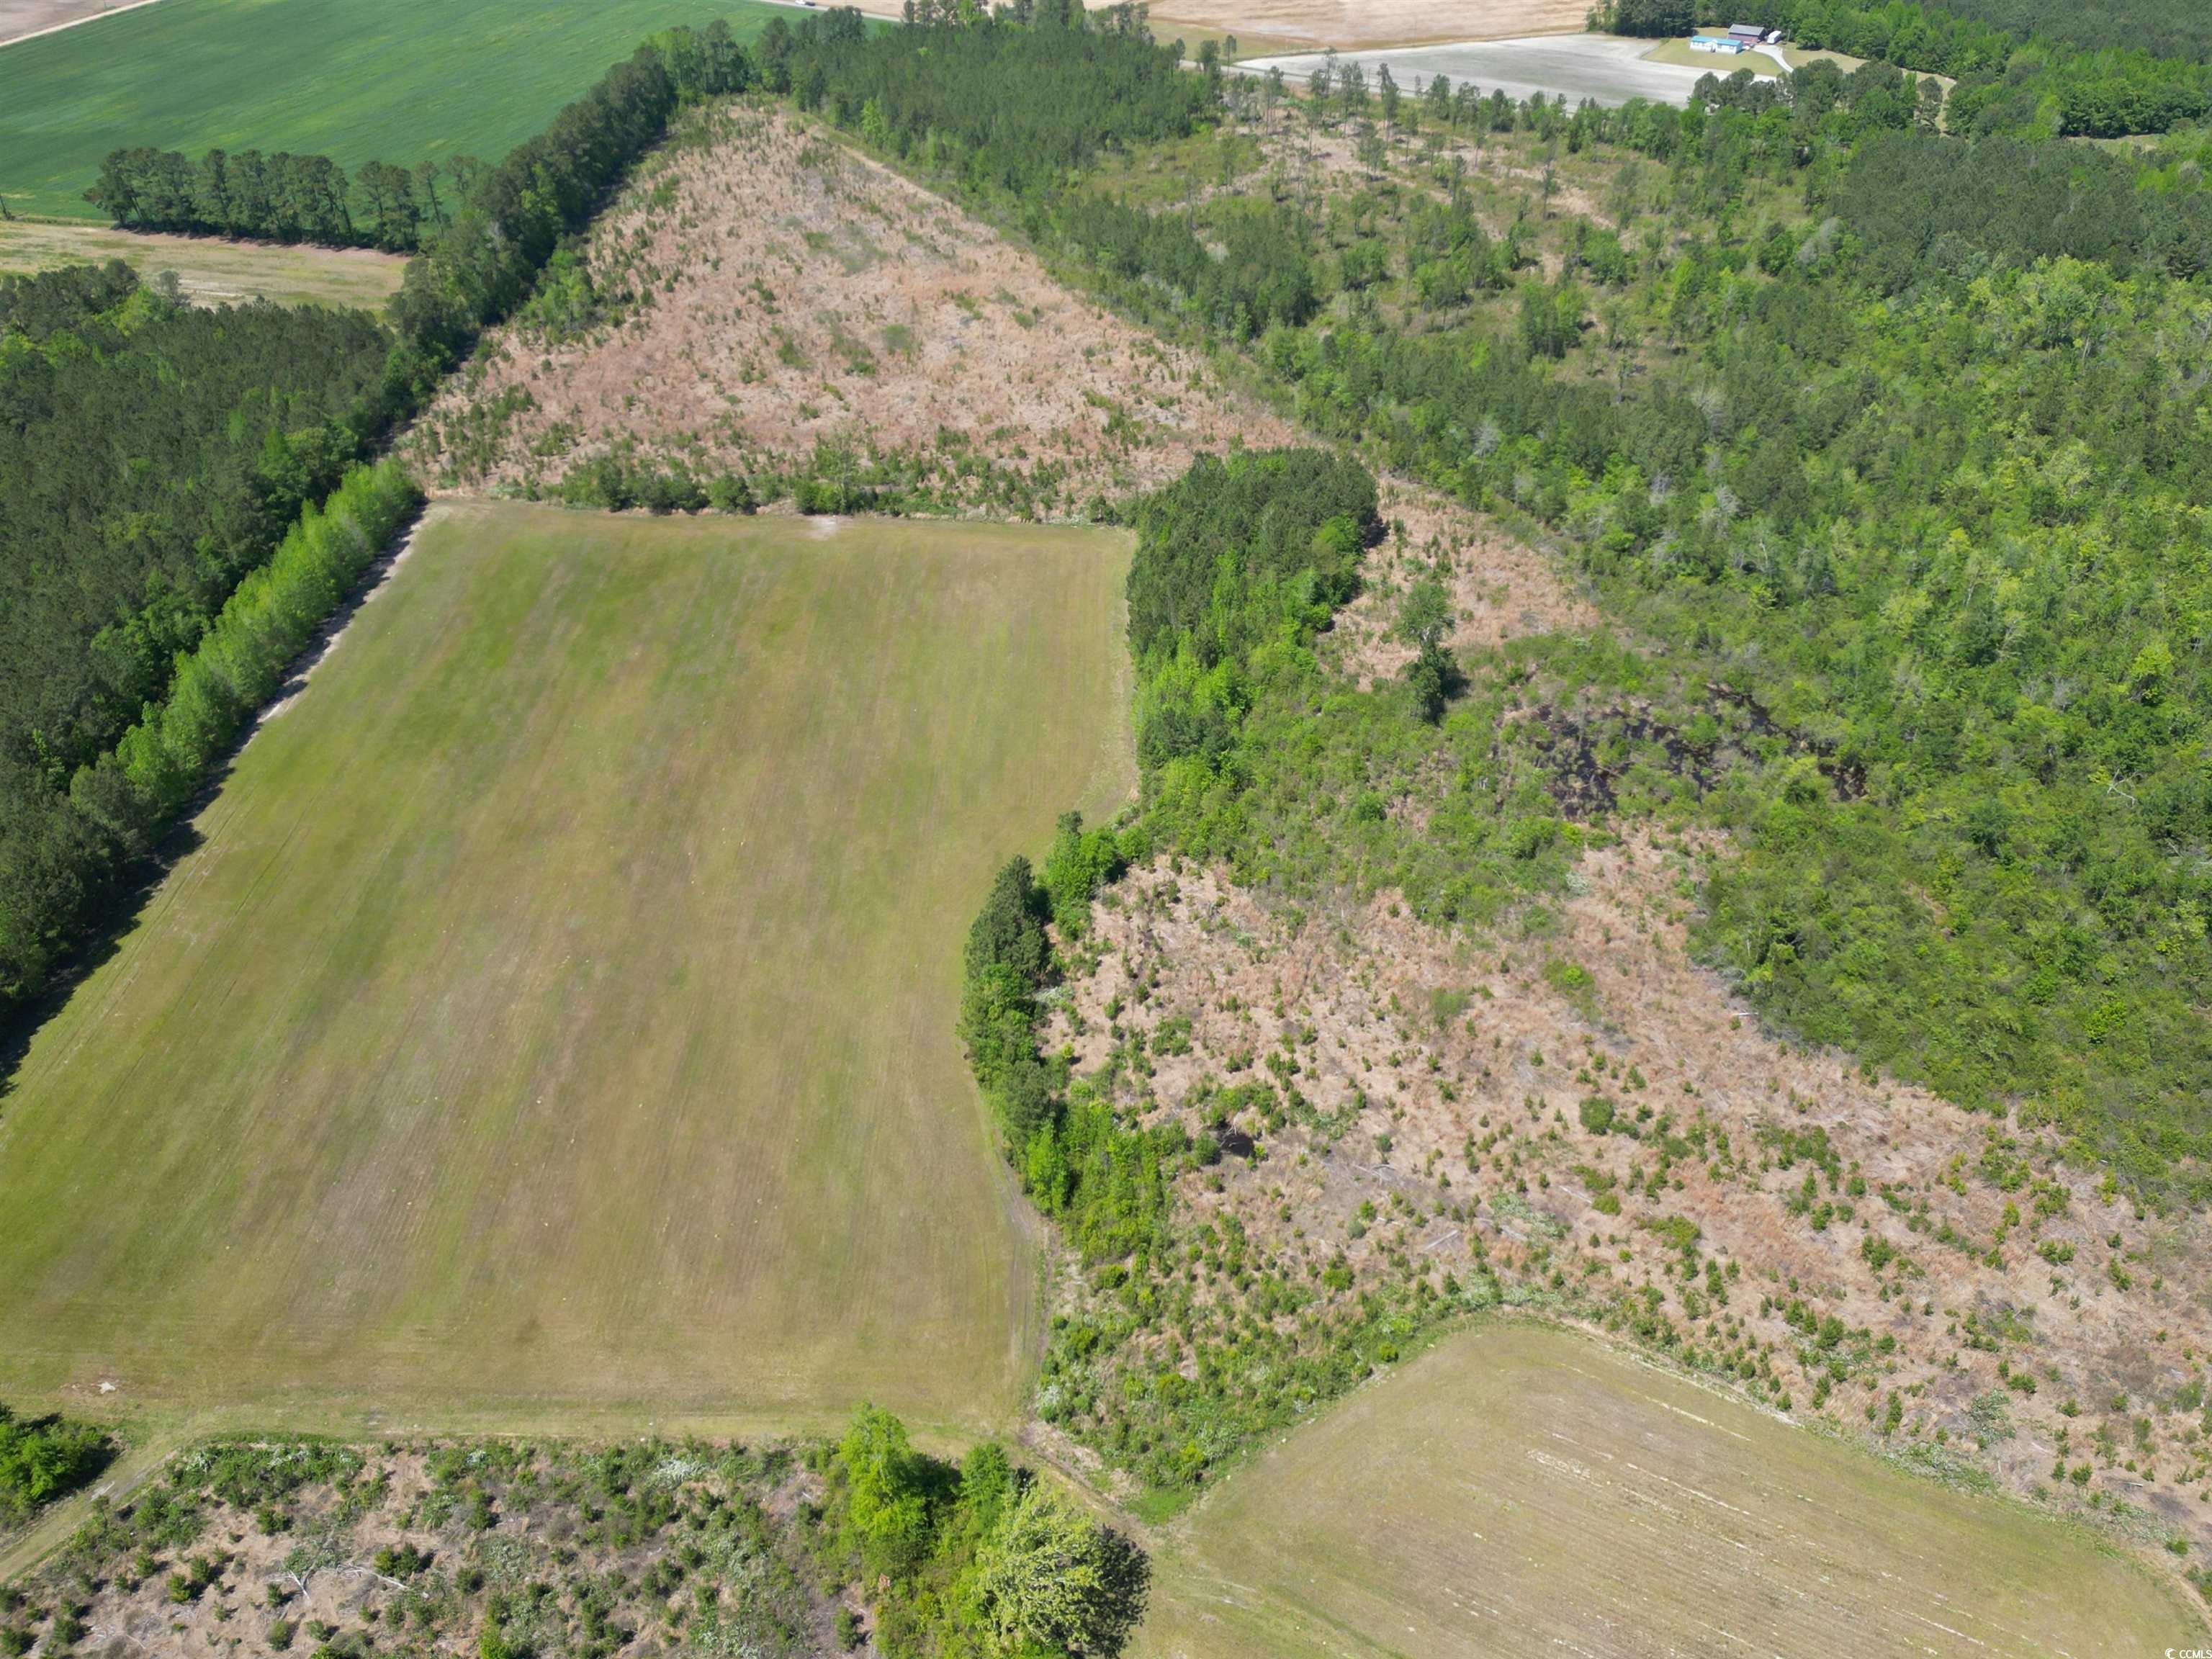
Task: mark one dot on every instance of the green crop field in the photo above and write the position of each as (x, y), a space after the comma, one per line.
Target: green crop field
(396, 81)
(554, 1027)
(1519, 1490)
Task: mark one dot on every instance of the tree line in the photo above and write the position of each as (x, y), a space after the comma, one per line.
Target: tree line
(2169, 28)
(485, 262)
(151, 455)
(164, 553)
(281, 198)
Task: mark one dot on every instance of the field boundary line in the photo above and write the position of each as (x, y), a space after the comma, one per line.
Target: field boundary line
(73, 23)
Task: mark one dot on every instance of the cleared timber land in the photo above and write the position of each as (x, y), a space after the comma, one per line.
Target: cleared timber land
(555, 1025)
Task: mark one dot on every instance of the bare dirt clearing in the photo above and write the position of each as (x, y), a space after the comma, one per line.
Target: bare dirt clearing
(785, 296)
(1520, 1491)
(1351, 24)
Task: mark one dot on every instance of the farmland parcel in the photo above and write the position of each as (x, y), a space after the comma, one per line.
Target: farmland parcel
(396, 80)
(1521, 1490)
(557, 1016)
(211, 272)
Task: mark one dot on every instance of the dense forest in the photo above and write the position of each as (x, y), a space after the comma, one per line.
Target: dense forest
(2165, 28)
(150, 455)
(1084, 88)
(1913, 473)
(163, 555)
(2022, 66)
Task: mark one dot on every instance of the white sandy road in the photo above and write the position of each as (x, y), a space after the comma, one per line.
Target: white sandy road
(1606, 67)
(27, 20)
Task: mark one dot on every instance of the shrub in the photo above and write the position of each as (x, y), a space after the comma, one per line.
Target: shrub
(45, 1458)
(1051, 1579)
(887, 1497)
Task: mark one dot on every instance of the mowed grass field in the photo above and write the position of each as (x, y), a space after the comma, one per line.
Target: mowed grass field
(555, 1027)
(211, 272)
(396, 81)
(1521, 1490)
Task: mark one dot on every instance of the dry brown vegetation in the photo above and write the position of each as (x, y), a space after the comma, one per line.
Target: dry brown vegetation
(771, 294)
(1500, 588)
(444, 1548)
(2015, 1309)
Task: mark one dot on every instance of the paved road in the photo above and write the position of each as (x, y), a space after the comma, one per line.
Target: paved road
(1606, 67)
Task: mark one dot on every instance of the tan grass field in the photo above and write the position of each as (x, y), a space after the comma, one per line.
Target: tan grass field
(555, 1027)
(211, 272)
(1521, 1490)
(1261, 24)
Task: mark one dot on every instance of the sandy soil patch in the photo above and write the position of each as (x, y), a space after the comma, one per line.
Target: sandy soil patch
(1606, 67)
(787, 295)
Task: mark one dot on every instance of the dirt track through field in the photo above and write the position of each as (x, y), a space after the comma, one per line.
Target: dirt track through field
(555, 1027)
